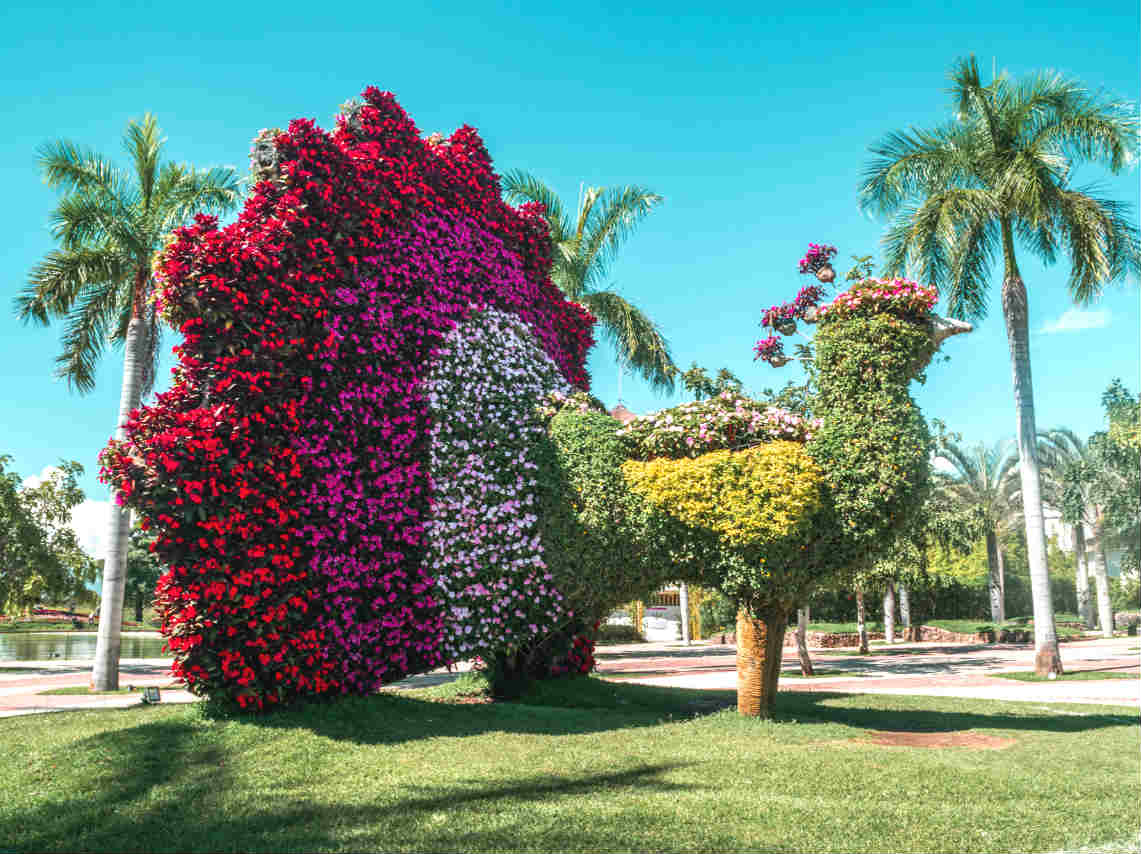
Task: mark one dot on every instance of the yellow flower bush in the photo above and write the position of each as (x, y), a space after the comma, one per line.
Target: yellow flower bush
(758, 498)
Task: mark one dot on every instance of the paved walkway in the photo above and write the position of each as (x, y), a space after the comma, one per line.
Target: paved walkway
(933, 669)
(947, 670)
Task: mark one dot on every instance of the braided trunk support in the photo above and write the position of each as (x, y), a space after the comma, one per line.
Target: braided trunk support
(760, 645)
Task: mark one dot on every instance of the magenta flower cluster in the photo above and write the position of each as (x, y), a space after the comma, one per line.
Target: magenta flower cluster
(288, 473)
(817, 256)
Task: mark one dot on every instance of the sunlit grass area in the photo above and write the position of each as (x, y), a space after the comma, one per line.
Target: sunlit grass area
(582, 765)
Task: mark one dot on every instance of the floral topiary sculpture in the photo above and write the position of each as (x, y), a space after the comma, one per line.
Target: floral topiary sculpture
(341, 477)
(767, 505)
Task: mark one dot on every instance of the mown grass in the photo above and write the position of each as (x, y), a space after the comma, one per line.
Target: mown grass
(1074, 676)
(586, 765)
(26, 626)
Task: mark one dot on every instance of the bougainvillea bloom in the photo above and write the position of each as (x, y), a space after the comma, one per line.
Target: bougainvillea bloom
(288, 473)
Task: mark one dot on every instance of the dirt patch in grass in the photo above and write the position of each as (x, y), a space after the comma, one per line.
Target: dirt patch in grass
(968, 739)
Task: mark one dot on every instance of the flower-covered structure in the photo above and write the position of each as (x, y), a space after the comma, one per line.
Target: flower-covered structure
(307, 472)
(769, 505)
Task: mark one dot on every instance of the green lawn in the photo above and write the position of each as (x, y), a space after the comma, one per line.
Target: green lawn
(81, 689)
(580, 766)
(1076, 676)
(21, 626)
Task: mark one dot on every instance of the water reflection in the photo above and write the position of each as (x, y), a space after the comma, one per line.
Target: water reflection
(36, 646)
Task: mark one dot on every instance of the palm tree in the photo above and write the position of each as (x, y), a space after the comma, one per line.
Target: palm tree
(1067, 475)
(961, 195)
(585, 250)
(109, 223)
(983, 482)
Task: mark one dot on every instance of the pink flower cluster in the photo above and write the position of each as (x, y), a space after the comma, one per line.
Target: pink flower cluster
(288, 472)
(901, 296)
(725, 421)
(817, 256)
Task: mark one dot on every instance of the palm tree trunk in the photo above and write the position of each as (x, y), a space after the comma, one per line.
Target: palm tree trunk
(105, 674)
(1101, 577)
(1001, 583)
(1081, 581)
(760, 644)
(905, 606)
(889, 613)
(1047, 658)
(993, 583)
(862, 620)
(802, 641)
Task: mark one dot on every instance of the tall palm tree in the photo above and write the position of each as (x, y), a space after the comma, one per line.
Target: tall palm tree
(983, 482)
(585, 250)
(109, 222)
(961, 195)
(1067, 476)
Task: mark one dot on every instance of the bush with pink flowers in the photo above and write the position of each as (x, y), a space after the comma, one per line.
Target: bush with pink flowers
(287, 474)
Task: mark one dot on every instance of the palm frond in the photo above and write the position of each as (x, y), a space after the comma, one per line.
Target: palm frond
(910, 164)
(971, 232)
(81, 219)
(610, 220)
(1078, 125)
(70, 168)
(637, 339)
(86, 335)
(519, 187)
(143, 143)
(57, 282)
(183, 191)
(1101, 239)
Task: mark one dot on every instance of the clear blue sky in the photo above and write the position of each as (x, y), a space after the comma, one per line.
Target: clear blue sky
(754, 126)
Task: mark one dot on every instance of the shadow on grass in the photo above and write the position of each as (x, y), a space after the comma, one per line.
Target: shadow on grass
(866, 711)
(175, 785)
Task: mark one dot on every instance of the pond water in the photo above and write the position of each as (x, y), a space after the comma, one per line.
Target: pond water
(39, 646)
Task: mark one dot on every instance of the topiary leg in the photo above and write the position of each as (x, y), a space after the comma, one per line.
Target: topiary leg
(760, 644)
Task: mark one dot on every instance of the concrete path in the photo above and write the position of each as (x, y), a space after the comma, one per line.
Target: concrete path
(22, 681)
(944, 670)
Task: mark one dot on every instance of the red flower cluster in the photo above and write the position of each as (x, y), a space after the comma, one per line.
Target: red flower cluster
(286, 472)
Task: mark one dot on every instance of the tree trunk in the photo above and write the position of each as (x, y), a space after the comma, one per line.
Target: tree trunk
(905, 606)
(1001, 583)
(1081, 581)
(138, 606)
(105, 674)
(683, 601)
(1047, 658)
(760, 644)
(862, 620)
(889, 612)
(994, 586)
(802, 641)
(1101, 577)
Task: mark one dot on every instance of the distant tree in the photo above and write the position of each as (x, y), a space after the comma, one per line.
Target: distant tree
(109, 223)
(962, 194)
(143, 571)
(40, 555)
(984, 483)
(698, 383)
(585, 250)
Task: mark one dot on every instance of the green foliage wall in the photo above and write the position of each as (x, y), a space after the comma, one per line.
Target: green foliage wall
(873, 443)
(596, 531)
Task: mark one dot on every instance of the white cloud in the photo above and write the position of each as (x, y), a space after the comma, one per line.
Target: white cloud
(89, 521)
(34, 480)
(1077, 319)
